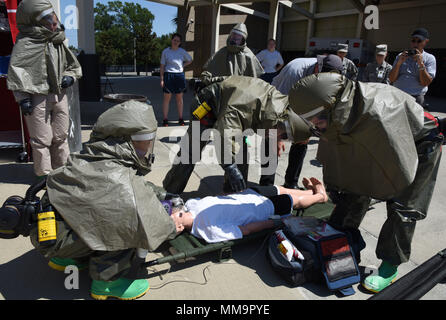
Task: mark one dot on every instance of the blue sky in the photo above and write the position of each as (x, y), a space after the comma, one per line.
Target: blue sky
(161, 25)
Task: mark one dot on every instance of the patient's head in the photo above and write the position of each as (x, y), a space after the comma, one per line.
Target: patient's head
(183, 220)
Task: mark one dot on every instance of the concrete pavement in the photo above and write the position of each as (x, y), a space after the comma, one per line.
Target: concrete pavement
(24, 274)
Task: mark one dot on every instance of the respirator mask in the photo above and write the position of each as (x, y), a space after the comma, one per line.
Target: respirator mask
(48, 19)
(144, 145)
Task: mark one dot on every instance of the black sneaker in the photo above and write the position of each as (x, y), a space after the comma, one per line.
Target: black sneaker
(290, 185)
(181, 122)
(165, 123)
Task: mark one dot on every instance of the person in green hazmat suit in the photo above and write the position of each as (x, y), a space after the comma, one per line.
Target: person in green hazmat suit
(41, 69)
(235, 107)
(234, 59)
(109, 215)
(376, 141)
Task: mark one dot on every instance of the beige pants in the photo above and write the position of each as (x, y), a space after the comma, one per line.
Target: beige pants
(48, 129)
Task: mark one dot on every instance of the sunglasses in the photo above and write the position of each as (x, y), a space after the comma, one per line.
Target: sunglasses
(416, 40)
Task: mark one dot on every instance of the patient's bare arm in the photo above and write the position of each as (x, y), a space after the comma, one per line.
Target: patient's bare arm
(254, 227)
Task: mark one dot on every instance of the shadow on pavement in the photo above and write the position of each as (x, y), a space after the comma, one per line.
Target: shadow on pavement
(28, 277)
(209, 186)
(17, 173)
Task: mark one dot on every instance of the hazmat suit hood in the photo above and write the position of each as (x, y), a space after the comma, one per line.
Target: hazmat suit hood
(40, 58)
(29, 11)
(123, 121)
(101, 192)
(300, 130)
(241, 30)
(317, 92)
(236, 60)
(369, 145)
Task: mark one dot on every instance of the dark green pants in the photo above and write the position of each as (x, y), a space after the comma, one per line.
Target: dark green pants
(178, 176)
(395, 238)
(103, 265)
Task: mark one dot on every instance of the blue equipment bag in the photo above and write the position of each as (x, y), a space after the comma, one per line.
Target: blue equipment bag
(331, 251)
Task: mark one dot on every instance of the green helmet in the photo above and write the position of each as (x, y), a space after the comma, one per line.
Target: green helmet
(126, 119)
(316, 93)
(298, 129)
(29, 12)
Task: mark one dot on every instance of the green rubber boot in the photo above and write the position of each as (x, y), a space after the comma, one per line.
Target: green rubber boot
(122, 288)
(60, 264)
(386, 275)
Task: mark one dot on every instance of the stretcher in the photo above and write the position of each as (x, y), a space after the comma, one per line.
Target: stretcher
(186, 245)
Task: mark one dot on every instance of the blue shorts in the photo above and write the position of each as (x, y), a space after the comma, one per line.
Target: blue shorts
(174, 82)
(268, 77)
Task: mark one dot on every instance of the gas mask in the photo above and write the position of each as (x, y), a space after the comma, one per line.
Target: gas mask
(144, 145)
(48, 19)
(294, 128)
(317, 120)
(236, 39)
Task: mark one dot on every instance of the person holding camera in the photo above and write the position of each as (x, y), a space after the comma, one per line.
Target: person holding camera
(414, 69)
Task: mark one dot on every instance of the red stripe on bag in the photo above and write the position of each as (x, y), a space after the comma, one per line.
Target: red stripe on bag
(431, 117)
(334, 246)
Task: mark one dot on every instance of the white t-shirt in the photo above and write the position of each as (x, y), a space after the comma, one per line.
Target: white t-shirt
(173, 59)
(269, 60)
(217, 218)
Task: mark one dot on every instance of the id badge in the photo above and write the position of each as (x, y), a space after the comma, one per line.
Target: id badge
(381, 74)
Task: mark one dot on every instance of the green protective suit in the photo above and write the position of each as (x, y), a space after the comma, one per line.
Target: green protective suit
(232, 60)
(369, 146)
(101, 192)
(379, 143)
(238, 103)
(40, 58)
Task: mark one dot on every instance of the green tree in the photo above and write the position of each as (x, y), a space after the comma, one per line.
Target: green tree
(161, 43)
(118, 26)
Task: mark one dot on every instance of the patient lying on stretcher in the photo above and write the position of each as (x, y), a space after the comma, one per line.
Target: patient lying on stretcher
(221, 218)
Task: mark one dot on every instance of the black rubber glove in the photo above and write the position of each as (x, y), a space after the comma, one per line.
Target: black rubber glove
(234, 178)
(67, 81)
(27, 106)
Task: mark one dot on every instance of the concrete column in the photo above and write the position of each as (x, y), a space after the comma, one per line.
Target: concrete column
(359, 25)
(279, 28)
(85, 32)
(215, 28)
(186, 27)
(273, 15)
(310, 26)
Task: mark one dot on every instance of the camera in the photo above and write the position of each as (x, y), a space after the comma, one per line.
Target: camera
(411, 52)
